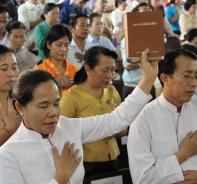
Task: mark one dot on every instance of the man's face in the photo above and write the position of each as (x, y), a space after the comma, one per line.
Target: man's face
(4, 18)
(81, 29)
(97, 26)
(34, 1)
(80, 3)
(122, 6)
(100, 5)
(179, 88)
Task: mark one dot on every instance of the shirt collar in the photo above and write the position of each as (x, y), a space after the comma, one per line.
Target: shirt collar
(90, 39)
(167, 104)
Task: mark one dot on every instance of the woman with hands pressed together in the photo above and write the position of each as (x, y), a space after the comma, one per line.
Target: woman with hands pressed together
(56, 48)
(9, 118)
(47, 147)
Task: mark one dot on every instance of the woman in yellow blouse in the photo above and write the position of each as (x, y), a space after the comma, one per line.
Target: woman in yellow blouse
(56, 47)
(93, 95)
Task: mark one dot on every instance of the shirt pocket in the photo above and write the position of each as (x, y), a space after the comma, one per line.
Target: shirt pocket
(164, 146)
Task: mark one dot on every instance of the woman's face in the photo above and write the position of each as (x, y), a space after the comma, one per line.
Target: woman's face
(102, 74)
(155, 3)
(192, 9)
(17, 38)
(59, 49)
(52, 17)
(8, 71)
(45, 107)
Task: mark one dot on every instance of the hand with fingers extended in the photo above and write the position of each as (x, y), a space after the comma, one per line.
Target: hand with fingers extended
(190, 177)
(31, 45)
(79, 56)
(64, 81)
(67, 163)
(11, 119)
(188, 147)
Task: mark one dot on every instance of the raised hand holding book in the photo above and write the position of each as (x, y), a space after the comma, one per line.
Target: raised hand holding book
(144, 30)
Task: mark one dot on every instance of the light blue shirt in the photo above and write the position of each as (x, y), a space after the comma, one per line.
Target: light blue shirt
(102, 41)
(132, 76)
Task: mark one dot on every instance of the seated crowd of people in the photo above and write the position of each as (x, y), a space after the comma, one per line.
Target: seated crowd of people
(61, 115)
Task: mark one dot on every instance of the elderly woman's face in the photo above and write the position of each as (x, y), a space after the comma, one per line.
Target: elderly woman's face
(8, 71)
(17, 38)
(42, 112)
(103, 73)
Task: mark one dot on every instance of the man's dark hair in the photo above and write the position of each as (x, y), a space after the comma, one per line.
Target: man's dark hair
(92, 16)
(73, 21)
(168, 64)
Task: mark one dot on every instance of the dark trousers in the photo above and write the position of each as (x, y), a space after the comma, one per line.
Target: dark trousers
(128, 90)
(92, 168)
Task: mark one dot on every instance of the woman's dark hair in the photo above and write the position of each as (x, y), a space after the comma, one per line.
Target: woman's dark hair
(48, 7)
(168, 64)
(188, 4)
(14, 25)
(92, 59)
(56, 32)
(25, 86)
(117, 2)
(4, 50)
(191, 34)
(136, 9)
(172, 1)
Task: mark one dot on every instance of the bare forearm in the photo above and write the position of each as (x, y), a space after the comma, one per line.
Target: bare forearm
(174, 18)
(60, 177)
(132, 67)
(167, 26)
(109, 10)
(35, 23)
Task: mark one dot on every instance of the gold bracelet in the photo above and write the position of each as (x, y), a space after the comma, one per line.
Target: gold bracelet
(7, 131)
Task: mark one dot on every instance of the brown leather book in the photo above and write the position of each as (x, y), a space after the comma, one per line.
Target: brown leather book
(144, 30)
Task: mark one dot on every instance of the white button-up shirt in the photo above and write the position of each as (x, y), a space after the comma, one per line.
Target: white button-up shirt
(155, 137)
(27, 13)
(73, 49)
(26, 158)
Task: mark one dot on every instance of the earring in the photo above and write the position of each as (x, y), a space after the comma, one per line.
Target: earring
(88, 73)
(21, 113)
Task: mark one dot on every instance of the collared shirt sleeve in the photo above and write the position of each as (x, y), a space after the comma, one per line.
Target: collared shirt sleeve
(109, 45)
(39, 36)
(22, 16)
(64, 15)
(98, 127)
(144, 167)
